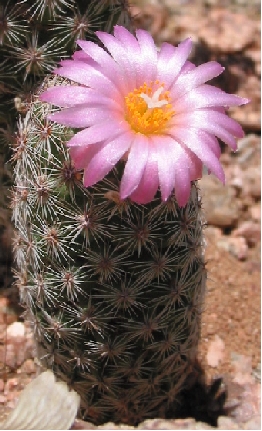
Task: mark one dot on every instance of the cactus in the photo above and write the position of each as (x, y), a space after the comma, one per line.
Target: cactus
(110, 264)
(113, 289)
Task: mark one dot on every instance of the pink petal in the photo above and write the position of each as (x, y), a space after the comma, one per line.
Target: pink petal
(149, 182)
(119, 54)
(176, 168)
(148, 55)
(142, 54)
(213, 122)
(87, 75)
(196, 142)
(81, 156)
(195, 165)
(188, 67)
(212, 143)
(81, 56)
(108, 66)
(182, 185)
(198, 76)
(98, 132)
(66, 95)
(105, 159)
(82, 116)
(188, 168)
(126, 38)
(87, 62)
(133, 51)
(166, 165)
(135, 165)
(224, 121)
(207, 96)
(97, 53)
(165, 54)
(71, 95)
(168, 69)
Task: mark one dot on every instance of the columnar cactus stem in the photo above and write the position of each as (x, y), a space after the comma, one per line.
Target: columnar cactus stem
(109, 244)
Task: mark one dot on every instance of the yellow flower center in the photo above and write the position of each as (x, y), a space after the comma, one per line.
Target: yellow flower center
(148, 108)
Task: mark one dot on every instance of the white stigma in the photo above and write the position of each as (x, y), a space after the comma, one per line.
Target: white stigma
(154, 102)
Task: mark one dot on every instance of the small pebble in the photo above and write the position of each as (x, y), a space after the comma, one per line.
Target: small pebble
(28, 367)
(2, 399)
(226, 423)
(250, 230)
(236, 246)
(16, 333)
(255, 211)
(2, 385)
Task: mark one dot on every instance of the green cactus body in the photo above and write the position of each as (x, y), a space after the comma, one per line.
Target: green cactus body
(114, 290)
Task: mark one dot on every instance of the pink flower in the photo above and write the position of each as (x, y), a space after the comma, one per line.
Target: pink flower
(152, 107)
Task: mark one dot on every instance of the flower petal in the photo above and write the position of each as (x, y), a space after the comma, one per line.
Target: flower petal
(212, 121)
(148, 55)
(119, 54)
(66, 95)
(195, 140)
(87, 75)
(188, 67)
(81, 56)
(165, 54)
(105, 159)
(97, 133)
(182, 185)
(108, 66)
(149, 182)
(166, 165)
(97, 53)
(135, 165)
(176, 168)
(82, 116)
(168, 69)
(132, 48)
(126, 38)
(212, 143)
(194, 164)
(207, 96)
(88, 61)
(191, 79)
(72, 95)
(224, 121)
(81, 156)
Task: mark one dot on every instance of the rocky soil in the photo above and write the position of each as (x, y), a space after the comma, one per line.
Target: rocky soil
(228, 31)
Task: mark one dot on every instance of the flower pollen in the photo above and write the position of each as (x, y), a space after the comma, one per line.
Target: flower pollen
(148, 110)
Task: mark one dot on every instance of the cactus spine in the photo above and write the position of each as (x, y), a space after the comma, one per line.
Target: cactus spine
(113, 289)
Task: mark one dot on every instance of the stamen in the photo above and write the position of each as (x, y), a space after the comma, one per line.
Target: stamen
(148, 108)
(154, 102)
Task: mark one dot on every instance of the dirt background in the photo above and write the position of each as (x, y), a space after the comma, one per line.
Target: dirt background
(229, 32)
